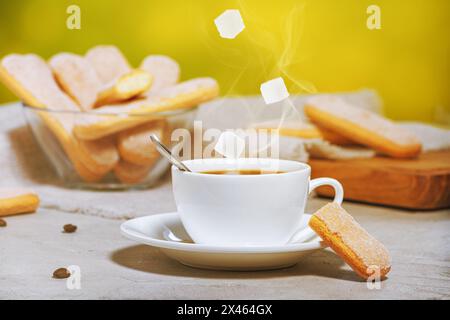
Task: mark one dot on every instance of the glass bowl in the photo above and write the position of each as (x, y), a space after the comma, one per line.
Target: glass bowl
(55, 134)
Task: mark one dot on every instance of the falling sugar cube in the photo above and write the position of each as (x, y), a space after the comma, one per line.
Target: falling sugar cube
(230, 145)
(274, 90)
(229, 24)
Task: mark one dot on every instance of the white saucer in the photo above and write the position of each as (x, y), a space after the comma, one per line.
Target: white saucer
(165, 231)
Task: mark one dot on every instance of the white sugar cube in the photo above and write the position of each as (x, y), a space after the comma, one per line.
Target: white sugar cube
(274, 90)
(230, 145)
(229, 24)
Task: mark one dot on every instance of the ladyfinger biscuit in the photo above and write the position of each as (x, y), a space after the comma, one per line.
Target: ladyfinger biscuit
(183, 95)
(21, 72)
(187, 94)
(130, 173)
(35, 83)
(135, 145)
(321, 149)
(362, 252)
(91, 159)
(15, 201)
(296, 129)
(164, 70)
(100, 155)
(108, 62)
(362, 126)
(299, 129)
(334, 138)
(129, 85)
(77, 78)
(60, 124)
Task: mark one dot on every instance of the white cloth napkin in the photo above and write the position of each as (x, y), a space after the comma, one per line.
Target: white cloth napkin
(432, 138)
(22, 163)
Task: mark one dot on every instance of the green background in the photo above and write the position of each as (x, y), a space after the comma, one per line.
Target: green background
(321, 45)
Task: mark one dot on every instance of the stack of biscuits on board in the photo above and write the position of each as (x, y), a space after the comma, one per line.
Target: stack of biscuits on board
(109, 109)
(339, 129)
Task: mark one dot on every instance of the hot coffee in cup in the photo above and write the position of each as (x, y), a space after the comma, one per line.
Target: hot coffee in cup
(242, 172)
(244, 201)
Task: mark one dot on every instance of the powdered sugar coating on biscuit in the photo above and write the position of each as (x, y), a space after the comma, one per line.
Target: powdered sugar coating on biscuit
(108, 62)
(145, 105)
(35, 76)
(187, 87)
(77, 77)
(370, 121)
(113, 118)
(165, 71)
(366, 247)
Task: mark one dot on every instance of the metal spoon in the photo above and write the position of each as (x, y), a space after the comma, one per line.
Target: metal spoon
(164, 151)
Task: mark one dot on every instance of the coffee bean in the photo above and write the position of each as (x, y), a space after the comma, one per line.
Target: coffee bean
(61, 273)
(70, 228)
(3, 223)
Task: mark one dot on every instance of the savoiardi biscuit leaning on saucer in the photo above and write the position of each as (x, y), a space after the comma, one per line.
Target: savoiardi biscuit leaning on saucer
(362, 126)
(135, 146)
(362, 252)
(17, 200)
(79, 79)
(30, 78)
(182, 95)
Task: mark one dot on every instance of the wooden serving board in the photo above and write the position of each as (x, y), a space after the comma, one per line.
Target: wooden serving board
(419, 184)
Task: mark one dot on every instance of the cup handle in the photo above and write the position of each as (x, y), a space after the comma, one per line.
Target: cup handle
(305, 234)
(337, 186)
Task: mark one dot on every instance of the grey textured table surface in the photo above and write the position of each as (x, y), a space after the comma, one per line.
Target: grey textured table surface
(32, 246)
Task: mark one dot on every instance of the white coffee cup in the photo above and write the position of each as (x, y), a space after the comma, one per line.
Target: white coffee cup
(236, 210)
